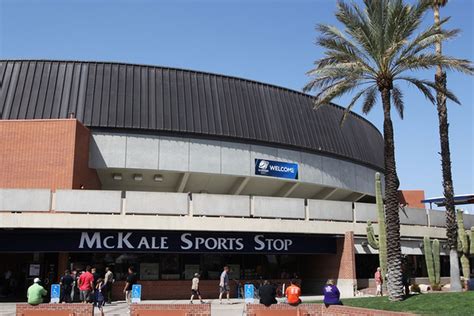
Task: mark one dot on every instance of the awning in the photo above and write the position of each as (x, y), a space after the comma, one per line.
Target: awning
(458, 200)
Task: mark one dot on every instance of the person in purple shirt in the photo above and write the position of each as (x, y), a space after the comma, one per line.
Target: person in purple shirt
(331, 294)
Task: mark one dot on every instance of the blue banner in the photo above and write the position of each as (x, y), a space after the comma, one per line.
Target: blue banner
(277, 169)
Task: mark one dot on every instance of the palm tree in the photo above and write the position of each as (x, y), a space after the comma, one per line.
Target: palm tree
(376, 50)
(451, 226)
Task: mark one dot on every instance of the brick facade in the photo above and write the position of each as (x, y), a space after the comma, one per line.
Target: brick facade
(55, 310)
(178, 289)
(412, 198)
(347, 268)
(51, 154)
(172, 289)
(340, 265)
(315, 310)
(170, 309)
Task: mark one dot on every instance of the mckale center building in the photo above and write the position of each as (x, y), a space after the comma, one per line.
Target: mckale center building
(176, 172)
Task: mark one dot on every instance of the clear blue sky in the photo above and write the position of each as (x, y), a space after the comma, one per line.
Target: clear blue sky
(269, 41)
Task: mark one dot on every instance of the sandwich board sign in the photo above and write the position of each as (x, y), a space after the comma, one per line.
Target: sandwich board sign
(136, 293)
(55, 292)
(249, 293)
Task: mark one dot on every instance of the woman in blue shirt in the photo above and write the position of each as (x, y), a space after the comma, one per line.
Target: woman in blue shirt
(331, 294)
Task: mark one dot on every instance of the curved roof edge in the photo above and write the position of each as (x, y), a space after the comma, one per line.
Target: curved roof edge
(193, 71)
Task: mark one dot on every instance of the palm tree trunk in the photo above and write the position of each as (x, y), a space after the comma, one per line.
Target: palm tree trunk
(392, 220)
(451, 225)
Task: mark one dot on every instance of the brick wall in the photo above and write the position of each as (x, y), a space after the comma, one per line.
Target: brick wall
(412, 198)
(49, 154)
(334, 266)
(339, 266)
(55, 309)
(172, 289)
(315, 310)
(178, 289)
(82, 174)
(171, 309)
(347, 258)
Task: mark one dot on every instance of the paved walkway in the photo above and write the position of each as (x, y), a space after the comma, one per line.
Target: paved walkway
(234, 308)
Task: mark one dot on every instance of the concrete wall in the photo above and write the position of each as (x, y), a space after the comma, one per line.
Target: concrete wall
(218, 157)
(278, 207)
(221, 205)
(156, 203)
(468, 221)
(365, 212)
(88, 201)
(413, 216)
(29, 200)
(170, 203)
(437, 218)
(330, 210)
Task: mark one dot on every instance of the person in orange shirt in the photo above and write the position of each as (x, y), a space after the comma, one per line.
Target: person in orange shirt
(293, 293)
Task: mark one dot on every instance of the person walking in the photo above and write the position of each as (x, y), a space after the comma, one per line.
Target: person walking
(331, 294)
(86, 285)
(195, 288)
(74, 285)
(131, 280)
(293, 293)
(108, 282)
(267, 294)
(224, 284)
(36, 292)
(378, 282)
(66, 282)
(99, 299)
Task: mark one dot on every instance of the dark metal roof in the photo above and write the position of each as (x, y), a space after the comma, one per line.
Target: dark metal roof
(160, 99)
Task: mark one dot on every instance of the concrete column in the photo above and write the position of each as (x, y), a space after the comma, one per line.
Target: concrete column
(347, 279)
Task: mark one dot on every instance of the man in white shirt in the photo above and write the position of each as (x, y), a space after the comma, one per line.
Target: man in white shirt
(224, 284)
(195, 289)
(108, 281)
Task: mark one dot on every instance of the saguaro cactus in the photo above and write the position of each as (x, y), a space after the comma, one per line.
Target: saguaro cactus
(465, 245)
(471, 237)
(432, 261)
(381, 242)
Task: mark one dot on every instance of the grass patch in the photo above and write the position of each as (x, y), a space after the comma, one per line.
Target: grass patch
(423, 304)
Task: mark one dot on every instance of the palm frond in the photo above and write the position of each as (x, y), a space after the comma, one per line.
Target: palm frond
(427, 33)
(348, 108)
(333, 32)
(421, 86)
(430, 60)
(369, 100)
(336, 90)
(356, 26)
(448, 93)
(397, 98)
